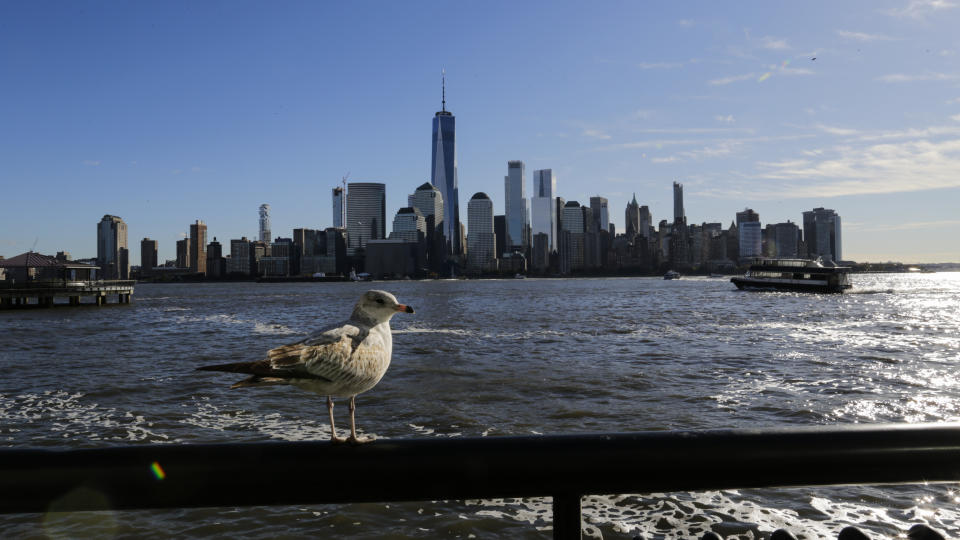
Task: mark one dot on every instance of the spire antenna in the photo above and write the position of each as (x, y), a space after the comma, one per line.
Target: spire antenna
(443, 103)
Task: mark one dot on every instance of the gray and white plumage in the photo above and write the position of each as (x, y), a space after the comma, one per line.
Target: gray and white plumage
(342, 360)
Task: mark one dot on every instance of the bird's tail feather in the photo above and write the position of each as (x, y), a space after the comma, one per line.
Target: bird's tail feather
(257, 380)
(236, 367)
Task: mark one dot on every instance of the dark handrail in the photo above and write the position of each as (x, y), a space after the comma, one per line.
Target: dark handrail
(563, 466)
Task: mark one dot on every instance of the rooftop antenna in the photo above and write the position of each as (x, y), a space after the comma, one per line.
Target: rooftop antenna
(443, 103)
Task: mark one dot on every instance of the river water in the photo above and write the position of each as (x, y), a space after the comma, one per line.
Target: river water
(491, 358)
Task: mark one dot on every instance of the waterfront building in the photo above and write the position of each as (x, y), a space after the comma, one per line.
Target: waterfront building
(543, 208)
(821, 233)
(198, 247)
(393, 258)
(515, 204)
(540, 253)
(366, 214)
(750, 236)
(277, 263)
(559, 202)
(240, 257)
(601, 213)
(678, 212)
(334, 252)
(339, 207)
(428, 200)
(112, 252)
(148, 256)
(443, 173)
(216, 263)
(183, 253)
(258, 250)
(500, 234)
(784, 239)
(481, 244)
(573, 223)
(409, 225)
(265, 223)
(632, 217)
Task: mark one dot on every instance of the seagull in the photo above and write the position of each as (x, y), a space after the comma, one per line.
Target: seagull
(339, 361)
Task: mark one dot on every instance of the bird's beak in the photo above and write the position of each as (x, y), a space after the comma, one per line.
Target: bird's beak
(402, 308)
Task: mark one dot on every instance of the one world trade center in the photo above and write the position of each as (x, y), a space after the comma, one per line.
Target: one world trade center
(443, 173)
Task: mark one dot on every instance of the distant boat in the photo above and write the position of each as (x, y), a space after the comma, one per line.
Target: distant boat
(519, 276)
(715, 275)
(803, 275)
(671, 274)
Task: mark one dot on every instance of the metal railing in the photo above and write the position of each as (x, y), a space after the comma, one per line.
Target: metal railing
(565, 467)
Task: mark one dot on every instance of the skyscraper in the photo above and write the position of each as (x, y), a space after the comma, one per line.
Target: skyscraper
(112, 253)
(443, 172)
(366, 214)
(148, 256)
(265, 223)
(543, 208)
(750, 236)
(601, 212)
(481, 244)
(821, 233)
(573, 230)
(515, 204)
(678, 213)
(198, 247)
(632, 218)
(339, 207)
(429, 202)
(409, 225)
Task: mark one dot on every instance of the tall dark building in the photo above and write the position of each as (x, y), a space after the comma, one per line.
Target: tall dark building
(216, 262)
(148, 256)
(366, 214)
(821, 233)
(443, 173)
(198, 247)
(500, 234)
(112, 253)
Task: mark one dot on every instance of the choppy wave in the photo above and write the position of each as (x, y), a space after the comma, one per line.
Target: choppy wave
(56, 414)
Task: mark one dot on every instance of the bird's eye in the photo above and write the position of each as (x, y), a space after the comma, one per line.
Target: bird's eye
(379, 300)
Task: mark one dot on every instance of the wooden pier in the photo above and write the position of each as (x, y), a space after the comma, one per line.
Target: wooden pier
(46, 293)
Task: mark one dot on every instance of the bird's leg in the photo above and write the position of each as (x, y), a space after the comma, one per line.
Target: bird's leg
(333, 430)
(353, 425)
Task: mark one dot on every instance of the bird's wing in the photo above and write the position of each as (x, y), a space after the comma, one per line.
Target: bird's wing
(331, 346)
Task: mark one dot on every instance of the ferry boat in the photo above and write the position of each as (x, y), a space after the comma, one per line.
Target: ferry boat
(804, 275)
(671, 274)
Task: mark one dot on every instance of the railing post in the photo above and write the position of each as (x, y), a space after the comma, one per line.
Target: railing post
(567, 516)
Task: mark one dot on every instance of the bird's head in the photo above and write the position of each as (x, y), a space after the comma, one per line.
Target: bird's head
(379, 306)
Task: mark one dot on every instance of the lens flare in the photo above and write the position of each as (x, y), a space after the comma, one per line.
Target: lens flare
(158, 470)
(764, 77)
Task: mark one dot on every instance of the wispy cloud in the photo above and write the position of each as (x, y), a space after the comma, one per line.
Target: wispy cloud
(686, 23)
(914, 225)
(91, 162)
(669, 159)
(731, 79)
(863, 36)
(834, 130)
(919, 9)
(770, 42)
(955, 117)
(659, 65)
(728, 119)
(595, 134)
(914, 165)
(930, 76)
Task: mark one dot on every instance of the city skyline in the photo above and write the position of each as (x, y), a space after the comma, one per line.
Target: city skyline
(163, 115)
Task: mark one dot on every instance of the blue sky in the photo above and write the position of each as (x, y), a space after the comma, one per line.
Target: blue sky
(167, 112)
